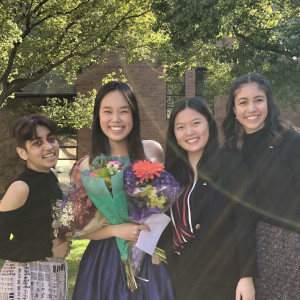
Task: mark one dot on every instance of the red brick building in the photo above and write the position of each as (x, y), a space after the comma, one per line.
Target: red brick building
(152, 94)
(155, 98)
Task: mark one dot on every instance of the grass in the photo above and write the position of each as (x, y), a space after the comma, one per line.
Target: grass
(73, 259)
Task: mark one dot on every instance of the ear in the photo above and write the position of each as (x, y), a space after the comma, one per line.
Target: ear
(22, 153)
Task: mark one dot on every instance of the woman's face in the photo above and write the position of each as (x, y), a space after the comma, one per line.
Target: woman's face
(191, 131)
(251, 107)
(115, 117)
(41, 154)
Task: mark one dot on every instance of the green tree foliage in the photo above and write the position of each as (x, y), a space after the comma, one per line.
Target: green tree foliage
(229, 38)
(38, 36)
(234, 37)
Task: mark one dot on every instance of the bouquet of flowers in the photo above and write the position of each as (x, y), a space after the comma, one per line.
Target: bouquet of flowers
(74, 212)
(151, 191)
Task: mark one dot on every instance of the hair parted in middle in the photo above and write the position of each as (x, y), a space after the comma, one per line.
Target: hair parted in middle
(177, 162)
(234, 132)
(100, 144)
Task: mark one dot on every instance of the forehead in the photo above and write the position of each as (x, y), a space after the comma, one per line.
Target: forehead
(41, 131)
(114, 99)
(249, 89)
(188, 115)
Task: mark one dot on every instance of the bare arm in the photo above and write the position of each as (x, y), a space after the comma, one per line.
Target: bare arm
(10, 214)
(153, 151)
(126, 231)
(15, 196)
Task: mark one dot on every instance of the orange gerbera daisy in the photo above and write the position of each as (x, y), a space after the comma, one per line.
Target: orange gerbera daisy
(145, 169)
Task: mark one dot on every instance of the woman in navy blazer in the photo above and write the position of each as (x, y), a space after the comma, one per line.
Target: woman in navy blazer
(210, 244)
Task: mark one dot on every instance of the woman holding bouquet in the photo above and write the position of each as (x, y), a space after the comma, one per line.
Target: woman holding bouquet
(35, 266)
(211, 247)
(101, 275)
(271, 150)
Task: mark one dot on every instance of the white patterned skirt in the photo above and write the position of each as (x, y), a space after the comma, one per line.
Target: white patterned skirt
(34, 280)
(278, 255)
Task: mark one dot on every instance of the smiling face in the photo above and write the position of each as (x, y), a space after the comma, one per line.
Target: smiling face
(191, 131)
(251, 107)
(115, 117)
(41, 153)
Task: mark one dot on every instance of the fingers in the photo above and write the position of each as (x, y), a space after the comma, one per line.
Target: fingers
(144, 227)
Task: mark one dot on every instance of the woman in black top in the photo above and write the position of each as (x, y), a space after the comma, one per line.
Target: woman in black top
(211, 249)
(35, 267)
(271, 150)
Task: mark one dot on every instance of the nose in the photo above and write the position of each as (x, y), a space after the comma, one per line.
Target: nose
(47, 145)
(189, 130)
(251, 106)
(116, 117)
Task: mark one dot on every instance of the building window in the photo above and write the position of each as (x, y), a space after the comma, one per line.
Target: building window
(175, 92)
(67, 156)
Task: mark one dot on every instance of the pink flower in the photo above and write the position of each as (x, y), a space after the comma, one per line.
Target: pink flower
(92, 174)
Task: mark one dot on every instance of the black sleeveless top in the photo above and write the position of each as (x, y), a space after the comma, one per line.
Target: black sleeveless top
(31, 224)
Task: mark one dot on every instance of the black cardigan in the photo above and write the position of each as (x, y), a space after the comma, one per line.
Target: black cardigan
(31, 224)
(275, 173)
(223, 250)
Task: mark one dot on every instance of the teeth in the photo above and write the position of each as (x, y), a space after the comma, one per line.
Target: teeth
(252, 117)
(192, 141)
(116, 128)
(49, 155)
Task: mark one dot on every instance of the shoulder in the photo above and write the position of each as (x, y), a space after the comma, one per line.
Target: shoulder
(15, 196)
(153, 150)
(292, 135)
(83, 163)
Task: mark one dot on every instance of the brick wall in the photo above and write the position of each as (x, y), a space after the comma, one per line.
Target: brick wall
(149, 89)
(151, 95)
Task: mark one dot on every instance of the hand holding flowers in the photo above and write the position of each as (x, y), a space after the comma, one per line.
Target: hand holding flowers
(151, 190)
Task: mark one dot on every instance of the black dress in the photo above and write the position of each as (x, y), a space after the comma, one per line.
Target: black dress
(275, 173)
(213, 237)
(29, 271)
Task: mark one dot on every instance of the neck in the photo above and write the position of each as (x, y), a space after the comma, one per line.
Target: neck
(194, 158)
(119, 148)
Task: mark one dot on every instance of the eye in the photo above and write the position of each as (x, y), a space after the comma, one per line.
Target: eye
(51, 139)
(179, 127)
(37, 143)
(124, 111)
(196, 123)
(259, 100)
(242, 102)
(106, 112)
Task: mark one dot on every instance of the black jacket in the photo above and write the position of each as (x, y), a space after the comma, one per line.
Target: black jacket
(275, 173)
(223, 251)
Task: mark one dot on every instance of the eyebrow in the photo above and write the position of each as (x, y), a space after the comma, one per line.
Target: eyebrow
(106, 107)
(39, 138)
(191, 121)
(245, 98)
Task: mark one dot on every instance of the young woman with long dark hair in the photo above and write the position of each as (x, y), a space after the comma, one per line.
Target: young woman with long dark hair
(270, 148)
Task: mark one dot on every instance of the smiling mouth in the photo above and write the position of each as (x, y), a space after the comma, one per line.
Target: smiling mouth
(192, 140)
(49, 155)
(116, 128)
(251, 117)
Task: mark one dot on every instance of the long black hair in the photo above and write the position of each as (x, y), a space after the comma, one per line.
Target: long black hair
(177, 161)
(234, 132)
(100, 144)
